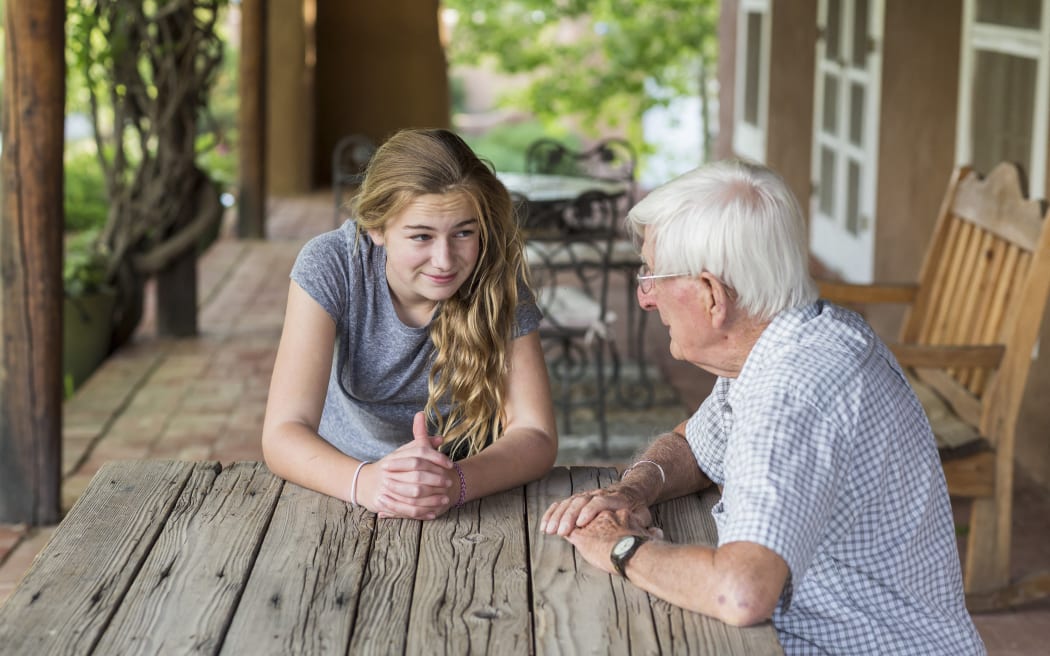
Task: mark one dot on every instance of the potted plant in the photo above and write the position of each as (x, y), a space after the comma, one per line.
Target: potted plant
(88, 308)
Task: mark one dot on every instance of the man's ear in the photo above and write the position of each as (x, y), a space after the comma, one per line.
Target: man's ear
(717, 299)
(377, 237)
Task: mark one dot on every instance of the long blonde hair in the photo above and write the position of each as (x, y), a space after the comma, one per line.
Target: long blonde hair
(473, 328)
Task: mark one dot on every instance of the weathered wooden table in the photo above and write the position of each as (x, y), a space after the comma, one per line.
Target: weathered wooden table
(176, 557)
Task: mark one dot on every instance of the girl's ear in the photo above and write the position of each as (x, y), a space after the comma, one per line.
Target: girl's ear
(377, 237)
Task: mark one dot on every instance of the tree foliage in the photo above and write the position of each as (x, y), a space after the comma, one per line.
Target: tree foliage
(145, 69)
(602, 61)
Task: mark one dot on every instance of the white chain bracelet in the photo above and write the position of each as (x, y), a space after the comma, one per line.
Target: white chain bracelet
(663, 477)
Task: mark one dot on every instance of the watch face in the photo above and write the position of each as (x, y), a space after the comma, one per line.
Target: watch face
(623, 545)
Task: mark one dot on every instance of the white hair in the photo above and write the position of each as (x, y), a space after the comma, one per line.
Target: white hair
(738, 221)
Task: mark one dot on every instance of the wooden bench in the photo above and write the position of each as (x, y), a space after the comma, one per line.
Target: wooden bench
(967, 342)
(174, 557)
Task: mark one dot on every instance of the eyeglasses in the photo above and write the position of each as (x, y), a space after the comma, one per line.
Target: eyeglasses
(645, 277)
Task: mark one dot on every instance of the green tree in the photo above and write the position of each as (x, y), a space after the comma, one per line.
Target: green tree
(145, 69)
(602, 62)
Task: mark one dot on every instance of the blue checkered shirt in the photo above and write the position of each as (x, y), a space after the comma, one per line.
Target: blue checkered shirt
(825, 457)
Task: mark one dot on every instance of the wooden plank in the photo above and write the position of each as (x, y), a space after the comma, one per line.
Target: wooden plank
(184, 596)
(579, 609)
(386, 589)
(688, 520)
(850, 293)
(472, 583)
(303, 591)
(71, 592)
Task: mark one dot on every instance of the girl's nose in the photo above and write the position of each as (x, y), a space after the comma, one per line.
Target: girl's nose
(440, 256)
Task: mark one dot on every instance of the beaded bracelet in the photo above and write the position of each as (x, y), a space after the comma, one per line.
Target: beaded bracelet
(462, 485)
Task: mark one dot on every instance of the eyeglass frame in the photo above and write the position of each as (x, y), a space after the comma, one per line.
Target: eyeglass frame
(645, 280)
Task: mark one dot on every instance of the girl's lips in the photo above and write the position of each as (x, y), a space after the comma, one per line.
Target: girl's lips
(440, 280)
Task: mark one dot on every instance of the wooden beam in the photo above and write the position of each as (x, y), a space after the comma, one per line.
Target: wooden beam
(31, 229)
(251, 209)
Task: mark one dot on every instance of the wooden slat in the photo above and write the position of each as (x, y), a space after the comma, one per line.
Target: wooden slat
(381, 625)
(997, 312)
(923, 355)
(989, 313)
(953, 322)
(997, 204)
(302, 595)
(472, 584)
(973, 297)
(918, 321)
(188, 588)
(564, 584)
(939, 324)
(688, 520)
(67, 598)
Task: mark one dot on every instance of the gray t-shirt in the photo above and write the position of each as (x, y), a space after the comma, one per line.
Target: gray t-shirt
(380, 365)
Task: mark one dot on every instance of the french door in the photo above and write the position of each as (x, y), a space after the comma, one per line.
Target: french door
(846, 118)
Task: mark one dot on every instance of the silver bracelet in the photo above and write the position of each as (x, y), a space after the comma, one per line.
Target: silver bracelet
(663, 477)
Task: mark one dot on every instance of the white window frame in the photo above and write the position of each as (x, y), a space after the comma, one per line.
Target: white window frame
(750, 140)
(1019, 42)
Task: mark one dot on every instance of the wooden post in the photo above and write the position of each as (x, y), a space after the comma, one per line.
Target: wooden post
(31, 229)
(251, 211)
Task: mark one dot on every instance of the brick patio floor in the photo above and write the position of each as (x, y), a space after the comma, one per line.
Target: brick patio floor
(204, 398)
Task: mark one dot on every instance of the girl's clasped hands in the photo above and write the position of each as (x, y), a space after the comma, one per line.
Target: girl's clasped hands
(415, 481)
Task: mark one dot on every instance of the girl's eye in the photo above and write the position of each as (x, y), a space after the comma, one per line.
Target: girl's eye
(420, 237)
(465, 233)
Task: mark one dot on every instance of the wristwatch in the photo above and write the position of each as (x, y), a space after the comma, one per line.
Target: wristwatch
(623, 550)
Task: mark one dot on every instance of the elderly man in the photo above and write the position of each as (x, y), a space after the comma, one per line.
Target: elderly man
(834, 518)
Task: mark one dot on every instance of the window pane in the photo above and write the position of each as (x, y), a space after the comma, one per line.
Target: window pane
(856, 114)
(833, 30)
(754, 67)
(853, 199)
(827, 181)
(1011, 13)
(860, 34)
(1003, 102)
(831, 104)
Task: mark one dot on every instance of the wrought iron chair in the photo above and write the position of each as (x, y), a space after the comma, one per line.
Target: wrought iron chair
(350, 158)
(611, 159)
(570, 274)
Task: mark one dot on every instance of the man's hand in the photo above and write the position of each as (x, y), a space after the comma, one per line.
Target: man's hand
(413, 481)
(595, 540)
(580, 509)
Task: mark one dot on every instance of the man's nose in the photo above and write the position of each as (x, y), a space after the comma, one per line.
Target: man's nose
(645, 299)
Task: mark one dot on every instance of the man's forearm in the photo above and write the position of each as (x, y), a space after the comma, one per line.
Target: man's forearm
(675, 459)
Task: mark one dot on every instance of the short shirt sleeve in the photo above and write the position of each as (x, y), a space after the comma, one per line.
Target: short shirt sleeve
(322, 270)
